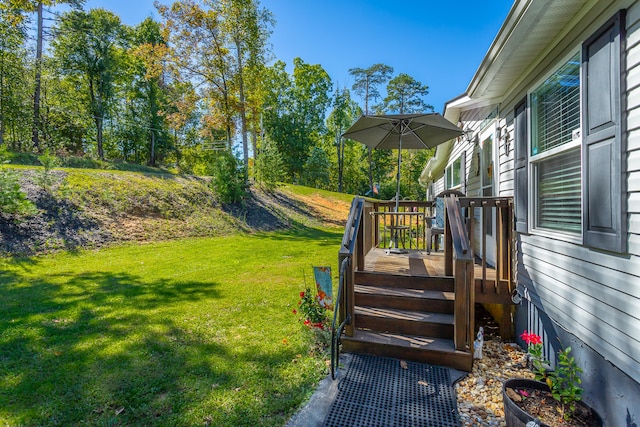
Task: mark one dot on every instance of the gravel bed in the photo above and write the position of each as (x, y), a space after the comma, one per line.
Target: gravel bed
(480, 392)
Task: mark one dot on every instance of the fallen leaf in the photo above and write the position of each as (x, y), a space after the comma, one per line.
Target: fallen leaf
(424, 383)
(119, 411)
(403, 364)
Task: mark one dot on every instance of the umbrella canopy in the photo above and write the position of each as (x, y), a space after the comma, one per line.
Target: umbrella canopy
(412, 131)
(397, 131)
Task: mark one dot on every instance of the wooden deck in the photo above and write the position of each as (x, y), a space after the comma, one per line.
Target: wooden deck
(419, 263)
(414, 262)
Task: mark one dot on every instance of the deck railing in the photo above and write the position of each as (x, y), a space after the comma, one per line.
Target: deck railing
(478, 230)
(458, 245)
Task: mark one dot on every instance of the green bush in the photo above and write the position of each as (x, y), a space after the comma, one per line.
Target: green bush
(228, 181)
(48, 161)
(13, 201)
(270, 167)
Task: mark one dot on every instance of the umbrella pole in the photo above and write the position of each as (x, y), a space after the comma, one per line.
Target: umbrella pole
(398, 174)
(397, 218)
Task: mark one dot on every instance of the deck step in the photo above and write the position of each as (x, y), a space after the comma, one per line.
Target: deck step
(404, 281)
(404, 299)
(436, 351)
(437, 325)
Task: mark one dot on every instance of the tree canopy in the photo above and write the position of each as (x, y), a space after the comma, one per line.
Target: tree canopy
(187, 90)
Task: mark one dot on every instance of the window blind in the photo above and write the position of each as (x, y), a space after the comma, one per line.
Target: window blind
(559, 192)
(556, 108)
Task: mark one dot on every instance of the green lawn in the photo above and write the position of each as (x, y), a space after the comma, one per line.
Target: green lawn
(187, 332)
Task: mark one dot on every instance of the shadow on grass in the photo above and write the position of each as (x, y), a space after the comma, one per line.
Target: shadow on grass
(116, 349)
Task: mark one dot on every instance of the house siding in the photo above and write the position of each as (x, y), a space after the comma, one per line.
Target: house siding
(574, 295)
(589, 298)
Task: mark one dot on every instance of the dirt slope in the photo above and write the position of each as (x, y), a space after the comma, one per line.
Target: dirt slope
(86, 209)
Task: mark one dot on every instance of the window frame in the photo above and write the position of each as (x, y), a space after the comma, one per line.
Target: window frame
(448, 173)
(534, 160)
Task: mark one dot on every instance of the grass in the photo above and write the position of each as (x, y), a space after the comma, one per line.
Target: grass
(188, 332)
(309, 191)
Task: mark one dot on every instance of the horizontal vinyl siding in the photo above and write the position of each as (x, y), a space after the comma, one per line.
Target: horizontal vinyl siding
(597, 304)
(592, 294)
(505, 180)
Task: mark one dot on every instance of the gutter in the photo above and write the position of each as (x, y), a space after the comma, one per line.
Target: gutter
(436, 164)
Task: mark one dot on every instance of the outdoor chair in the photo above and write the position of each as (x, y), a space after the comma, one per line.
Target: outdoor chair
(435, 225)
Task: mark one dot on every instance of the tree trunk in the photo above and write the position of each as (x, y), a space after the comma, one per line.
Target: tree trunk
(340, 160)
(254, 145)
(243, 113)
(152, 156)
(369, 151)
(96, 109)
(98, 121)
(1, 101)
(36, 93)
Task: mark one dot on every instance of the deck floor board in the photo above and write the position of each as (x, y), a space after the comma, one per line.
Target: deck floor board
(414, 262)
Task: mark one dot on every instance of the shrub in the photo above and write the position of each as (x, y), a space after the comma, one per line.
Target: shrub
(48, 161)
(13, 201)
(228, 178)
(270, 167)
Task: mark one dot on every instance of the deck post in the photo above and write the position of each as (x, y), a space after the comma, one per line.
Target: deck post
(448, 245)
(464, 311)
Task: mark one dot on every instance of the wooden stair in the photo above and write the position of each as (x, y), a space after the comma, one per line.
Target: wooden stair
(406, 317)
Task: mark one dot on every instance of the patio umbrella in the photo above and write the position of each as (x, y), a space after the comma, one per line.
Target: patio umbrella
(398, 131)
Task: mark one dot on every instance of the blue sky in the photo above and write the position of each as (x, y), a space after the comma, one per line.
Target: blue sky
(440, 44)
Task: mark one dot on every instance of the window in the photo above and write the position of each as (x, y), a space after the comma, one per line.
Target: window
(555, 149)
(454, 174)
(570, 139)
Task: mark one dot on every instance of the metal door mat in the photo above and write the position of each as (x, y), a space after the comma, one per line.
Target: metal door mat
(378, 391)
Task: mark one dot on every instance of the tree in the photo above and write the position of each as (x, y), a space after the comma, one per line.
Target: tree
(295, 108)
(248, 28)
(345, 112)
(86, 47)
(29, 6)
(366, 86)
(316, 169)
(198, 51)
(404, 95)
(13, 87)
(148, 87)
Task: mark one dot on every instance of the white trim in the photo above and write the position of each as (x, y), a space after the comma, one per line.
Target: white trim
(533, 161)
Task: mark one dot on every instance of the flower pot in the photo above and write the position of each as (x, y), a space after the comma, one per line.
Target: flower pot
(516, 417)
(513, 415)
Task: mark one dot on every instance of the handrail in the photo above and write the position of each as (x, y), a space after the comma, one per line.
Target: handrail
(464, 287)
(354, 222)
(459, 236)
(337, 332)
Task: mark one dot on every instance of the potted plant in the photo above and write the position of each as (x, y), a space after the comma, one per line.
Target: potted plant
(553, 398)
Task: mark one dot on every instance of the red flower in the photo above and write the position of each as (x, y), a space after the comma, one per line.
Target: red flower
(294, 311)
(531, 338)
(307, 322)
(301, 294)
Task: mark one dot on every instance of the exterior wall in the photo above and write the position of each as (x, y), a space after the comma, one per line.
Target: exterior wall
(584, 298)
(574, 295)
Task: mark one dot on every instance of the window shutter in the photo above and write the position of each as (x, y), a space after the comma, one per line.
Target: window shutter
(603, 179)
(521, 169)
